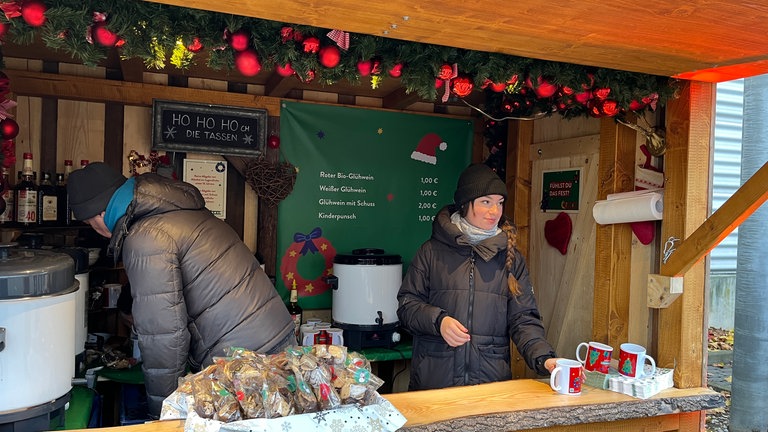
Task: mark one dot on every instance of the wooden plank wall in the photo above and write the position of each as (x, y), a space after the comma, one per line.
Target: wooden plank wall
(564, 283)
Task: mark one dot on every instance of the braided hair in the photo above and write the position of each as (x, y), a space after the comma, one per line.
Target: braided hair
(511, 231)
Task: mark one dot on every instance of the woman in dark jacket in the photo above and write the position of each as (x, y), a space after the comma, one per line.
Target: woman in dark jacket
(467, 292)
(197, 289)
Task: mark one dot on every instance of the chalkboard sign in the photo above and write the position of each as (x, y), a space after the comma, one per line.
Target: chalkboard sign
(205, 128)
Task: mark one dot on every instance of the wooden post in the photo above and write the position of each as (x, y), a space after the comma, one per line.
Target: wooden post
(681, 327)
(519, 140)
(613, 243)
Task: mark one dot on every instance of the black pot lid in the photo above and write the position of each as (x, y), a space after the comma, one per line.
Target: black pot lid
(368, 256)
(34, 272)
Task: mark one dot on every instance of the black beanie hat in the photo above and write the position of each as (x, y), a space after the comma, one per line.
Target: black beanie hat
(476, 181)
(91, 188)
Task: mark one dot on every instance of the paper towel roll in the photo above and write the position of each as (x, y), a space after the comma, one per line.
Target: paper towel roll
(648, 206)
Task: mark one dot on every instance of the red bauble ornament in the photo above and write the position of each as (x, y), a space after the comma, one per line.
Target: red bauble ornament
(439, 83)
(284, 71)
(247, 62)
(196, 46)
(446, 72)
(9, 128)
(636, 106)
(329, 56)
(273, 141)
(364, 67)
(609, 107)
(462, 86)
(4, 29)
(543, 88)
(602, 93)
(104, 36)
(239, 40)
(33, 12)
(584, 97)
(396, 70)
(311, 44)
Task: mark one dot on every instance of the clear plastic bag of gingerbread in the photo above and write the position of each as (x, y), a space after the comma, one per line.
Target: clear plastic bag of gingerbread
(212, 399)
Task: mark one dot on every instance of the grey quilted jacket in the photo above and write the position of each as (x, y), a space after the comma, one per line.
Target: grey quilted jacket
(197, 289)
(469, 283)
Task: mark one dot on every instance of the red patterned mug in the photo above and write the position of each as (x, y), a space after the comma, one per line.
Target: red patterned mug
(598, 356)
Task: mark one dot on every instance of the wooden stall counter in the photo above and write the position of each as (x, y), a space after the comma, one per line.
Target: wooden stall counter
(532, 405)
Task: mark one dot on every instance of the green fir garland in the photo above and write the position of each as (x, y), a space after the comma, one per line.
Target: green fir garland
(160, 34)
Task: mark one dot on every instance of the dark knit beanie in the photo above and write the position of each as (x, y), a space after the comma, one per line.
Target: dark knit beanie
(91, 188)
(476, 181)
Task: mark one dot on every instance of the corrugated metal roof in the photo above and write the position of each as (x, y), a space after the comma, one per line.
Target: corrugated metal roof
(726, 175)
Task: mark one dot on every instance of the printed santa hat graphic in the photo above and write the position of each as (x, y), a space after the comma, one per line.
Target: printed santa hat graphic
(426, 151)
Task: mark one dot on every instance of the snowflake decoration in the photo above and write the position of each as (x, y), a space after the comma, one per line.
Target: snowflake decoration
(170, 132)
(375, 425)
(248, 139)
(320, 416)
(337, 425)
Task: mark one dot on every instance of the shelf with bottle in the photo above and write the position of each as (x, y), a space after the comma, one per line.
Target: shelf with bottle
(41, 205)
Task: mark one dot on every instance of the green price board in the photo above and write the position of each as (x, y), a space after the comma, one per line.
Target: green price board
(366, 179)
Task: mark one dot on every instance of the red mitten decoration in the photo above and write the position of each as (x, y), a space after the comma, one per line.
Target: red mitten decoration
(646, 176)
(644, 231)
(558, 232)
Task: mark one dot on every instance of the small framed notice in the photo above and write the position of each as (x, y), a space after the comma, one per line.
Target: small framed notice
(561, 191)
(205, 128)
(210, 177)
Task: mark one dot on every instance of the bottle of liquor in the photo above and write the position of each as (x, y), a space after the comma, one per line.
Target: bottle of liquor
(47, 201)
(7, 215)
(68, 217)
(26, 195)
(61, 200)
(84, 163)
(296, 311)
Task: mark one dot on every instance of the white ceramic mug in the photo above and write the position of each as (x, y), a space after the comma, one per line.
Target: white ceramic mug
(632, 358)
(598, 356)
(566, 378)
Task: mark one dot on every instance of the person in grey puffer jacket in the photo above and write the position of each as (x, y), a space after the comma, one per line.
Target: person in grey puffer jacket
(467, 292)
(197, 289)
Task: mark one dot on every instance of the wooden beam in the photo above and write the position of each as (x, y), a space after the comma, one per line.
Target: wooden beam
(279, 86)
(681, 334)
(114, 119)
(266, 243)
(519, 172)
(745, 201)
(79, 88)
(399, 99)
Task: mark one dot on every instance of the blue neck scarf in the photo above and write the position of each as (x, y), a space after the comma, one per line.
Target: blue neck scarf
(118, 204)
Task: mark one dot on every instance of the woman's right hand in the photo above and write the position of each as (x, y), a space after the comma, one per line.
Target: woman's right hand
(454, 333)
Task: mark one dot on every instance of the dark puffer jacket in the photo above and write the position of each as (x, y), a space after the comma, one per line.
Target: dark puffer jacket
(197, 289)
(469, 283)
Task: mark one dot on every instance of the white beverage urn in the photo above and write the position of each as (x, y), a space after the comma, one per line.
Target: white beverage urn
(364, 305)
(38, 295)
